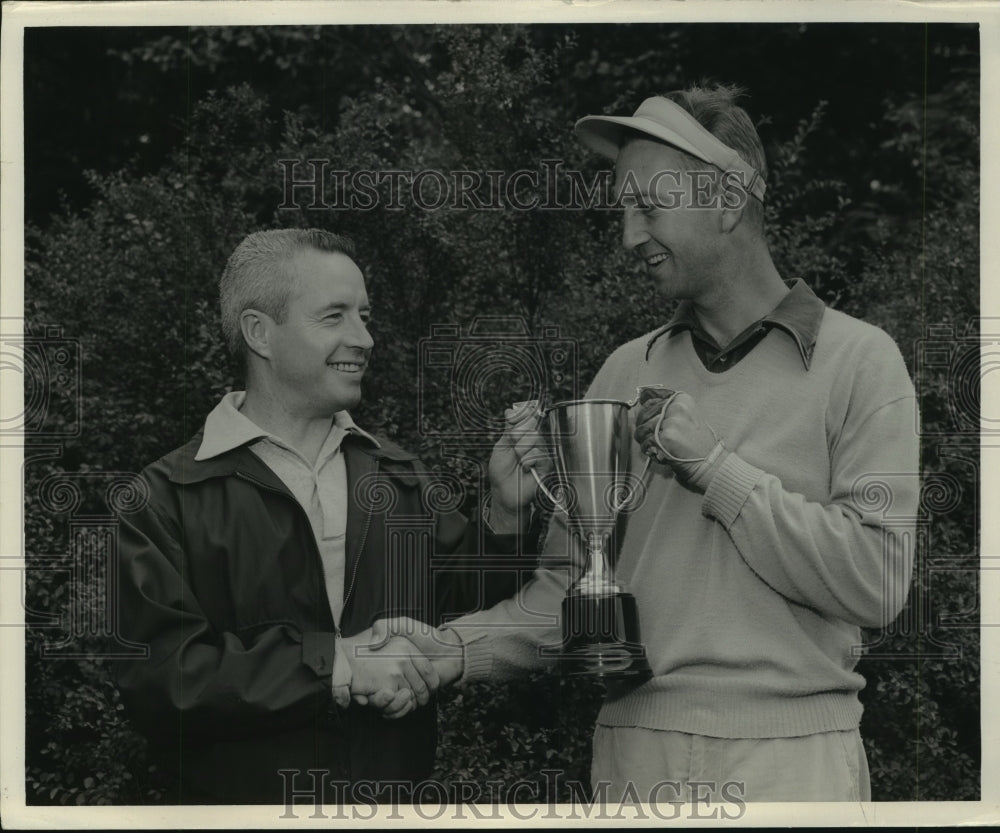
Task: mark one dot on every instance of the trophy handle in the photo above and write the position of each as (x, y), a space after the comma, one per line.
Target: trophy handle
(638, 392)
(629, 499)
(548, 494)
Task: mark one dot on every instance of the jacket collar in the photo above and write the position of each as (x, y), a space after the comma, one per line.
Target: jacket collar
(799, 314)
(183, 467)
(227, 427)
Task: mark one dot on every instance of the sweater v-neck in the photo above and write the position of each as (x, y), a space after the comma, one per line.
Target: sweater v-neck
(750, 363)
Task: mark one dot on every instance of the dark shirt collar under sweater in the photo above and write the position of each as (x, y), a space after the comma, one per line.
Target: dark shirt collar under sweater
(798, 314)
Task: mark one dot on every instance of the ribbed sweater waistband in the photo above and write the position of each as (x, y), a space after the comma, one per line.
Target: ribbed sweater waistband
(671, 703)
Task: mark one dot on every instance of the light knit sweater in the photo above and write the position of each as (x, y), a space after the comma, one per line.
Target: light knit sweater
(750, 596)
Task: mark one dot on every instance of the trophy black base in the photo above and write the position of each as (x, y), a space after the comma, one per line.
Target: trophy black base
(601, 637)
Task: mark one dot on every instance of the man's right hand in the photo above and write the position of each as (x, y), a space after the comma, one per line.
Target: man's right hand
(442, 646)
(389, 674)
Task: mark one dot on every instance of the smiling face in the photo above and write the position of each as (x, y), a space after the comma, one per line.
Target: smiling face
(318, 354)
(666, 222)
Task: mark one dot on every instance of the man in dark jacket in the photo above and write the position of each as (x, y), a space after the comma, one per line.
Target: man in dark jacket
(273, 541)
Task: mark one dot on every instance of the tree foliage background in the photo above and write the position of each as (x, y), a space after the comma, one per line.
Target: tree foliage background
(144, 170)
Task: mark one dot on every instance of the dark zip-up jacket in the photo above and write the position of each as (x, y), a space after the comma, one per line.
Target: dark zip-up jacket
(220, 576)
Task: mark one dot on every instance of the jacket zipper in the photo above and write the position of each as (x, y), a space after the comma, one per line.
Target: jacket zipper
(361, 548)
(315, 550)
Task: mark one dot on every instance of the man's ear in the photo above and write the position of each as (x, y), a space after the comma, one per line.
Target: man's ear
(730, 212)
(730, 218)
(257, 329)
(733, 198)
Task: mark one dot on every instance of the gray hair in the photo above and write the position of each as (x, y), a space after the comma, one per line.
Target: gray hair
(256, 276)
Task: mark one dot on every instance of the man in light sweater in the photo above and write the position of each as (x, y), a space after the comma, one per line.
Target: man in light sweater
(779, 517)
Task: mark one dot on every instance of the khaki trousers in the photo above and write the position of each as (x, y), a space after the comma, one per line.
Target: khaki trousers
(649, 765)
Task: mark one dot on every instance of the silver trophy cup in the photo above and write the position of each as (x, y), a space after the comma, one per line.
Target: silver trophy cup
(592, 441)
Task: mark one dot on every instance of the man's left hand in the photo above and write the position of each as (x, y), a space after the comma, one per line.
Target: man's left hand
(684, 434)
(520, 449)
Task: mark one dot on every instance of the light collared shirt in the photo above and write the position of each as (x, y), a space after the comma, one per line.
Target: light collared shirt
(799, 314)
(320, 487)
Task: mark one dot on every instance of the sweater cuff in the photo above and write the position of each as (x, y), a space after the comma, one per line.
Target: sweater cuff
(729, 488)
(477, 663)
(706, 469)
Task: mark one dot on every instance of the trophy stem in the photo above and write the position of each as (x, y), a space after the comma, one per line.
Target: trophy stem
(597, 557)
(597, 578)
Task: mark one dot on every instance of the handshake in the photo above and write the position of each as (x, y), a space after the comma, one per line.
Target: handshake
(396, 665)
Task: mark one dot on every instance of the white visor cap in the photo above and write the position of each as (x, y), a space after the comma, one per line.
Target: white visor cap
(668, 122)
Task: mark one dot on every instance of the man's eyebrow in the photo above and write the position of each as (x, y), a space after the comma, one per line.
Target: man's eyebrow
(640, 199)
(338, 306)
